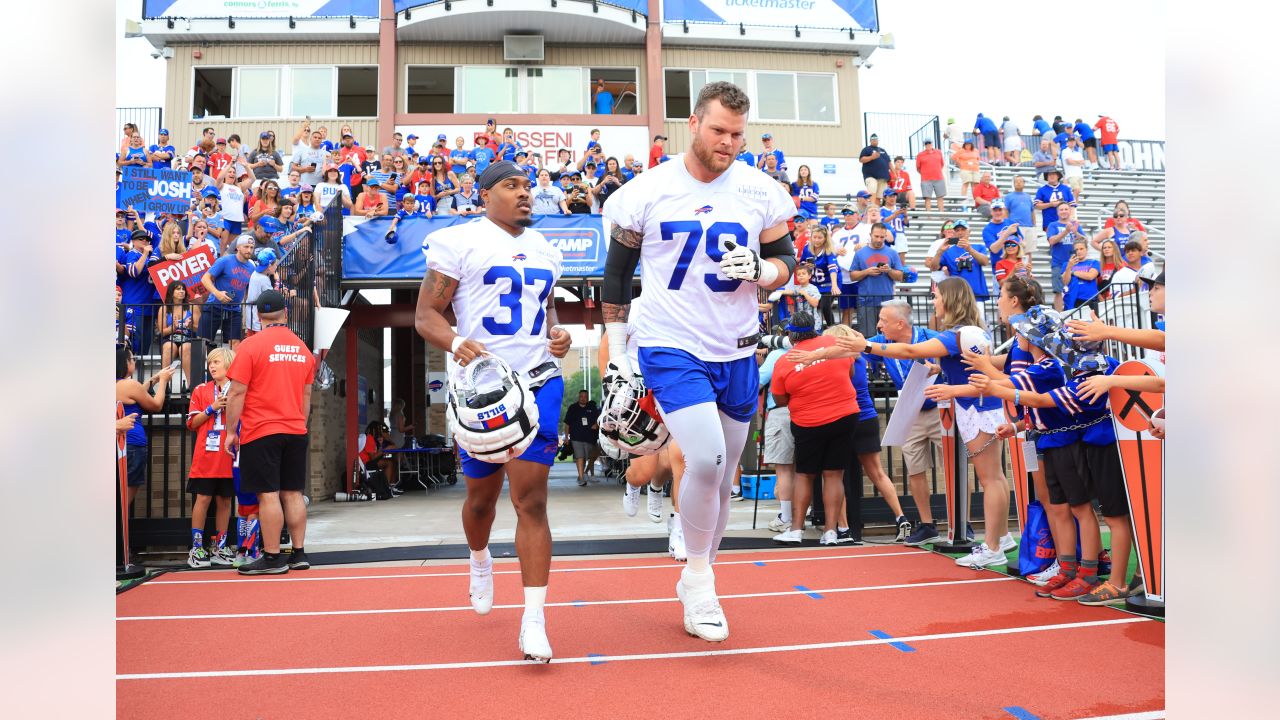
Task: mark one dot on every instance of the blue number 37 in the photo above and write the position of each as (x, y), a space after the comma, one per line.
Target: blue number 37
(694, 233)
(510, 300)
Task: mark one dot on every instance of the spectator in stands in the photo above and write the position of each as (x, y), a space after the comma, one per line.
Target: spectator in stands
(331, 187)
(953, 139)
(801, 294)
(1042, 128)
(985, 128)
(138, 397)
(509, 145)
(1063, 233)
(609, 183)
(547, 198)
(821, 252)
(773, 170)
(467, 200)
(1121, 213)
(824, 414)
(637, 167)
(1134, 259)
(875, 269)
(657, 152)
(233, 187)
(210, 478)
(1073, 163)
(1012, 140)
(806, 190)
(967, 160)
(211, 213)
(122, 229)
(226, 283)
(162, 153)
(1110, 131)
(983, 194)
(1011, 261)
(219, 159)
(370, 203)
(1051, 196)
(199, 181)
(205, 145)
(1044, 159)
(199, 229)
(294, 183)
(1089, 141)
(582, 429)
(1080, 277)
(177, 323)
(900, 183)
(829, 220)
(396, 147)
(308, 159)
(266, 261)
(444, 184)
(1109, 262)
(491, 132)
(1021, 213)
(995, 233)
(266, 201)
(264, 160)
(138, 291)
(577, 194)
(965, 259)
(171, 245)
(932, 184)
(875, 167)
(440, 148)
(526, 165)
(894, 216)
(747, 157)
(483, 155)
(769, 149)
(306, 201)
(601, 99)
(459, 156)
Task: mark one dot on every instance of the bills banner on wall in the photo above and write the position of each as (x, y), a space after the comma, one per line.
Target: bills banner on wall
(258, 8)
(188, 270)
(366, 255)
(859, 14)
(155, 190)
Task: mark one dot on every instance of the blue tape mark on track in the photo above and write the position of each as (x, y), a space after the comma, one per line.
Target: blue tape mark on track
(1021, 713)
(596, 655)
(899, 646)
(579, 603)
(759, 563)
(807, 591)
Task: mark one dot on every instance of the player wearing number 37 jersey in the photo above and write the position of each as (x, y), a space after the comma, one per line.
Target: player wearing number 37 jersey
(706, 232)
(504, 378)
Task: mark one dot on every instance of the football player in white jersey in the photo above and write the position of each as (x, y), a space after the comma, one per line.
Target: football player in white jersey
(706, 232)
(499, 275)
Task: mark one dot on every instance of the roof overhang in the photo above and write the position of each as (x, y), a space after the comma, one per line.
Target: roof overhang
(860, 43)
(578, 22)
(248, 30)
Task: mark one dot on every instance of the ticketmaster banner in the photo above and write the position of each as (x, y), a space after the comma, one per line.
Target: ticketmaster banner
(259, 8)
(366, 255)
(858, 14)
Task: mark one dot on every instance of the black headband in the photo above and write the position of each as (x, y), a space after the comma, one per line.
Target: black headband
(498, 172)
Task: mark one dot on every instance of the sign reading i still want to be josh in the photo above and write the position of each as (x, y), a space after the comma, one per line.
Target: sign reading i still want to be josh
(155, 190)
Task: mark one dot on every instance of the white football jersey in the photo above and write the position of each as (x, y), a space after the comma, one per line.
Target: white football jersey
(688, 304)
(503, 286)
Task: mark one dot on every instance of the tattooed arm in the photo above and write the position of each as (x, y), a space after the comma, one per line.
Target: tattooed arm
(619, 269)
(433, 297)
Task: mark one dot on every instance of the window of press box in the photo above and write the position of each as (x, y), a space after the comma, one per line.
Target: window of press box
(622, 83)
(211, 93)
(357, 92)
(430, 89)
(676, 83)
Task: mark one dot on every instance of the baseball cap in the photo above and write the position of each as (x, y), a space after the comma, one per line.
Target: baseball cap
(244, 240)
(269, 224)
(412, 137)
(442, 136)
(209, 192)
(490, 121)
(875, 136)
(220, 141)
(863, 194)
(591, 163)
(575, 174)
(264, 134)
(1012, 241)
(767, 136)
(270, 301)
(264, 257)
(889, 191)
(847, 211)
(637, 163)
(305, 188)
(243, 172)
(329, 167)
(803, 214)
(961, 223)
(655, 137)
(928, 142)
(144, 235)
(997, 204)
(348, 135)
(164, 131)
(521, 152)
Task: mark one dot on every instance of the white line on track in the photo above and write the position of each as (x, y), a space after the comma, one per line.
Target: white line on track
(263, 672)
(670, 565)
(637, 601)
(1149, 715)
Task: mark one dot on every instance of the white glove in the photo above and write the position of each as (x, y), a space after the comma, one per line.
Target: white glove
(742, 263)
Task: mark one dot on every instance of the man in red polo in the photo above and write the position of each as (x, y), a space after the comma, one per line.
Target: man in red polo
(267, 409)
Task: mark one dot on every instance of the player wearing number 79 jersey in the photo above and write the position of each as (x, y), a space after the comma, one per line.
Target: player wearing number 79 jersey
(499, 275)
(706, 232)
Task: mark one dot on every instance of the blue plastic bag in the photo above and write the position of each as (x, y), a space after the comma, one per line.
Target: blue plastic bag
(1036, 551)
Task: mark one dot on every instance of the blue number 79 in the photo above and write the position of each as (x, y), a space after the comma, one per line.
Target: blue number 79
(693, 228)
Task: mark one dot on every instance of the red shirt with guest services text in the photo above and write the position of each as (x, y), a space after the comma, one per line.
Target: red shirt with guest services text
(819, 393)
(276, 367)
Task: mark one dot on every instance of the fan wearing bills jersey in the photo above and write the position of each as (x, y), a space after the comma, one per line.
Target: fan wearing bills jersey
(707, 232)
(498, 274)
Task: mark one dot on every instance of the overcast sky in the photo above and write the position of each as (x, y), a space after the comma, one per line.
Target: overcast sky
(1002, 57)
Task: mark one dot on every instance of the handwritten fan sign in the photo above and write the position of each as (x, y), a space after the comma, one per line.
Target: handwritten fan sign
(188, 270)
(155, 190)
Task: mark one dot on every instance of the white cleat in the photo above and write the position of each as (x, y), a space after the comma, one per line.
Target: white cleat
(789, 537)
(675, 545)
(482, 588)
(779, 525)
(533, 640)
(655, 505)
(702, 614)
(631, 500)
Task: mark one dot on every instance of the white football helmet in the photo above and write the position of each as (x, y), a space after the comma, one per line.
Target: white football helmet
(611, 448)
(625, 422)
(492, 410)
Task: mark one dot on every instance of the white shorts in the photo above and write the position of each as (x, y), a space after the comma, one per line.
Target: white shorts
(1013, 144)
(779, 444)
(972, 421)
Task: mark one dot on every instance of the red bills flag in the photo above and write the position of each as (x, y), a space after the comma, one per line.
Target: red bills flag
(187, 270)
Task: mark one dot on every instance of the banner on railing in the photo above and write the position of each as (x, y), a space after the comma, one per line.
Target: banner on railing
(155, 190)
(366, 255)
(188, 270)
(861, 14)
(259, 8)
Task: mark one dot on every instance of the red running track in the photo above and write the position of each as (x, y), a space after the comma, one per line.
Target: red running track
(976, 643)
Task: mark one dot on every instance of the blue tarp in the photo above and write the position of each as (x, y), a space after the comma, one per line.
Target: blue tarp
(640, 6)
(259, 8)
(367, 256)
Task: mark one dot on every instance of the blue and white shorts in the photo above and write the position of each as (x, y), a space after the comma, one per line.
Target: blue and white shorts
(680, 380)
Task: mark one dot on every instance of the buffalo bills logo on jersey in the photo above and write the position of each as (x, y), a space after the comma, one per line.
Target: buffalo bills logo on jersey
(519, 256)
(703, 210)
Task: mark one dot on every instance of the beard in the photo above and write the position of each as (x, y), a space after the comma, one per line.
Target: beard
(524, 222)
(708, 159)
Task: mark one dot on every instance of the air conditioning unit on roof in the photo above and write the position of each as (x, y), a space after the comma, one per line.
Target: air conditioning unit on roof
(522, 48)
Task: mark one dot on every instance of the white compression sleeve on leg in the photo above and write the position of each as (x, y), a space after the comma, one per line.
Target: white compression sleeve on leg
(697, 430)
(735, 439)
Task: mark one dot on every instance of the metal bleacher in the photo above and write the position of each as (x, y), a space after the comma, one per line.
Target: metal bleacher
(1143, 189)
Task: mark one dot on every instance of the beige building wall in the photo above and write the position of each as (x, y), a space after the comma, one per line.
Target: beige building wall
(565, 55)
(800, 139)
(179, 78)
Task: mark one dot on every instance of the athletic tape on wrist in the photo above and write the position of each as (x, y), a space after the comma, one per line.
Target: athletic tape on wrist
(457, 340)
